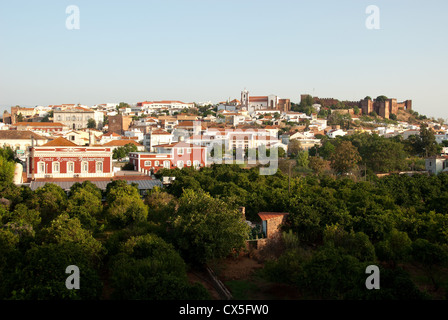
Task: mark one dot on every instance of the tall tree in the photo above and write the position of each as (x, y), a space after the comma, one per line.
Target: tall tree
(124, 204)
(148, 268)
(294, 147)
(206, 228)
(429, 145)
(91, 123)
(345, 158)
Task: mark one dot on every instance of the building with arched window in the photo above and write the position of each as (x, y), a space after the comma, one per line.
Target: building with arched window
(61, 158)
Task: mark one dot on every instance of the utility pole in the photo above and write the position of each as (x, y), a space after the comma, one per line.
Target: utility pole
(289, 179)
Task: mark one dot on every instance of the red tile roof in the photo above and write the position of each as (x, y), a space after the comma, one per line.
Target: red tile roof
(111, 134)
(40, 124)
(270, 215)
(160, 132)
(59, 142)
(121, 142)
(19, 134)
(258, 98)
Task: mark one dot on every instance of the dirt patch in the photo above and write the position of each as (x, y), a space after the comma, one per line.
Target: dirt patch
(238, 269)
(241, 273)
(422, 280)
(278, 291)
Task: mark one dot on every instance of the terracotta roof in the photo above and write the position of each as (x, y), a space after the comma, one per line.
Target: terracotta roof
(160, 132)
(19, 135)
(60, 142)
(258, 98)
(180, 144)
(40, 124)
(270, 215)
(121, 142)
(112, 134)
(71, 108)
(186, 124)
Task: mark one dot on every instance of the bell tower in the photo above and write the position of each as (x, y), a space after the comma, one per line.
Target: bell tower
(245, 99)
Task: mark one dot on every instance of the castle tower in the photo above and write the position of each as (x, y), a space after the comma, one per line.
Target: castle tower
(383, 108)
(366, 106)
(393, 106)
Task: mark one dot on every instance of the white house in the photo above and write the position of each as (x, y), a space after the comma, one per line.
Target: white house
(19, 141)
(333, 133)
(157, 137)
(291, 116)
(436, 164)
(441, 137)
(137, 133)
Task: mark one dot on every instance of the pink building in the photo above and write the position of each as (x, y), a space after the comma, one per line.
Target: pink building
(61, 158)
(169, 156)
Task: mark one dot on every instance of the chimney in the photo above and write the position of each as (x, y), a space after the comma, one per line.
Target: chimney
(90, 138)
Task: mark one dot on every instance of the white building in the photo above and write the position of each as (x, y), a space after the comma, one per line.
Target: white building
(252, 103)
(164, 104)
(441, 137)
(137, 133)
(294, 116)
(19, 141)
(157, 137)
(436, 165)
(76, 117)
(333, 133)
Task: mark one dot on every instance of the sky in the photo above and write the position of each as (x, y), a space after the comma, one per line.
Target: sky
(211, 50)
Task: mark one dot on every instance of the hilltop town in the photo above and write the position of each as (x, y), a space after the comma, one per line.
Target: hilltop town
(166, 194)
(151, 135)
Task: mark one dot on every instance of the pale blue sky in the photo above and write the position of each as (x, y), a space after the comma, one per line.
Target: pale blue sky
(200, 50)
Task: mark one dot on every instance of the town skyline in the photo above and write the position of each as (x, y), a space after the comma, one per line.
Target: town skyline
(197, 51)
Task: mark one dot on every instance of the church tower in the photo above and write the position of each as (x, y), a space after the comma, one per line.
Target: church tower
(245, 99)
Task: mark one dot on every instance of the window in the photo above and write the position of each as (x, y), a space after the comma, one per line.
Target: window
(180, 151)
(156, 163)
(196, 163)
(166, 164)
(99, 167)
(188, 150)
(84, 167)
(180, 164)
(55, 167)
(147, 163)
(70, 167)
(41, 167)
(188, 163)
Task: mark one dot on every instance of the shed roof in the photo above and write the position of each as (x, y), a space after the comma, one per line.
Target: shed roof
(270, 215)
